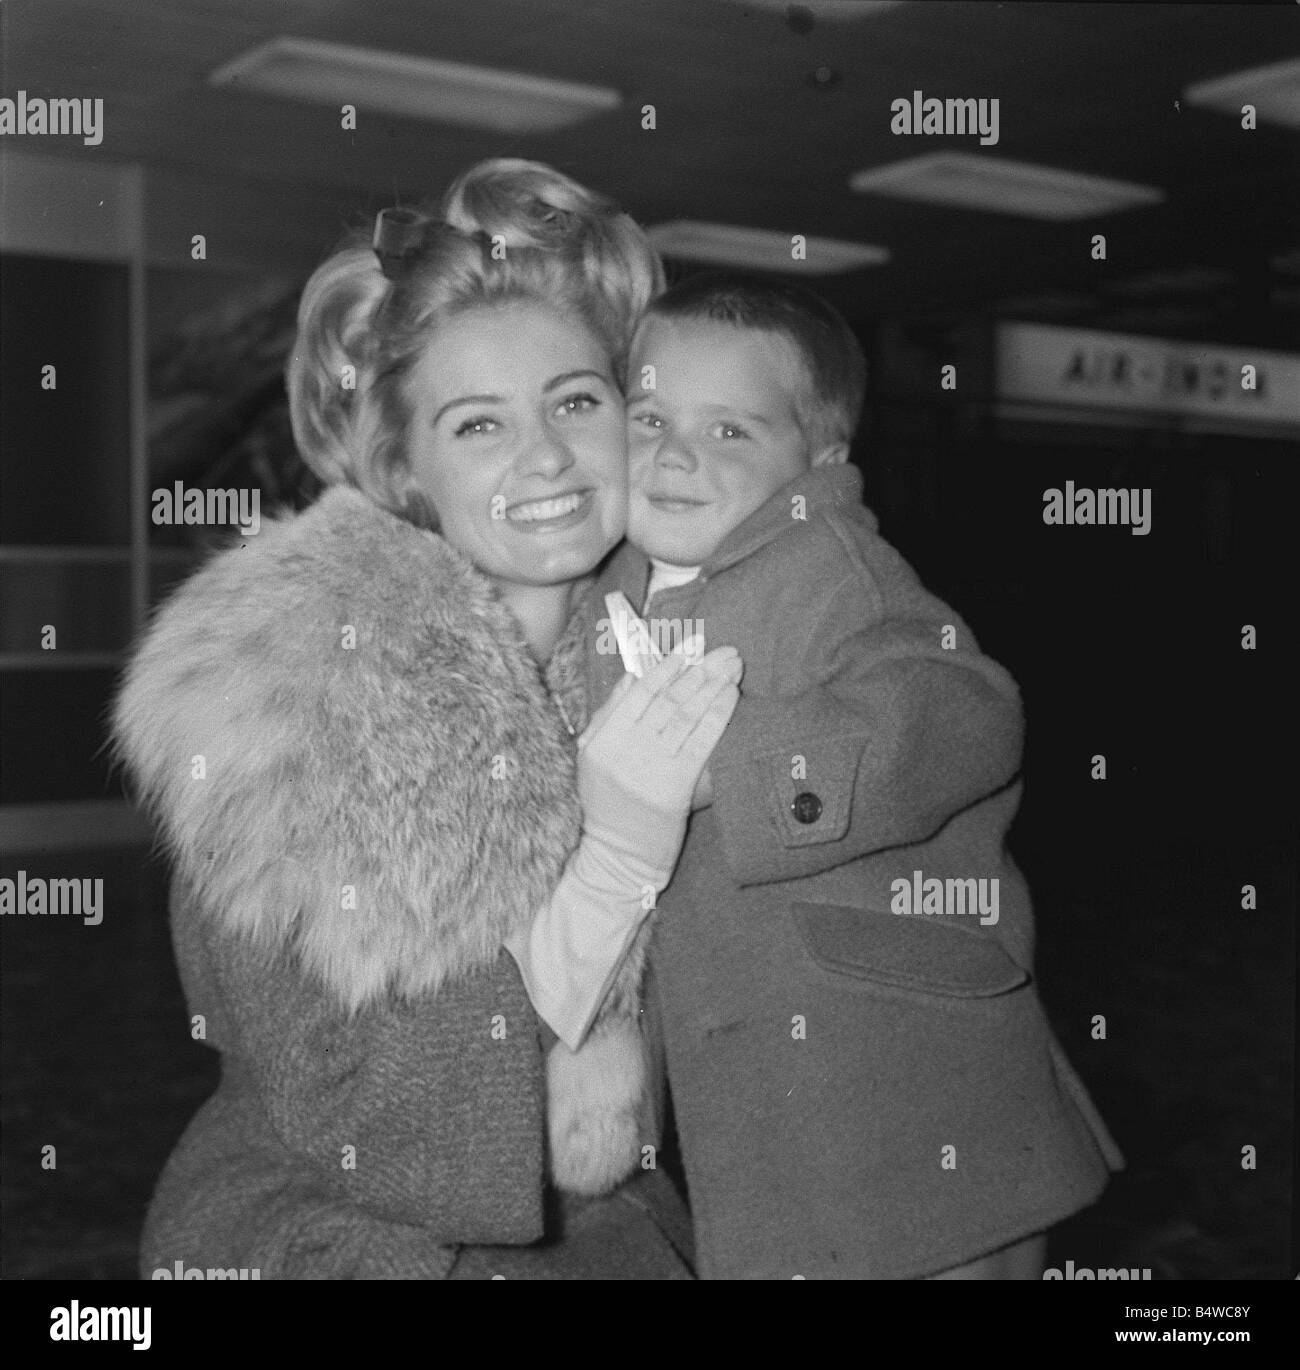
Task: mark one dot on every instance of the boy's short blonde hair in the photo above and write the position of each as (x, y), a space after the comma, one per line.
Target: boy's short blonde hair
(828, 406)
(506, 230)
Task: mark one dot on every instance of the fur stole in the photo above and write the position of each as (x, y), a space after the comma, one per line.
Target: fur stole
(351, 754)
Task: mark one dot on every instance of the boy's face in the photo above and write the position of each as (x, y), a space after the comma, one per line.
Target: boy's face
(715, 438)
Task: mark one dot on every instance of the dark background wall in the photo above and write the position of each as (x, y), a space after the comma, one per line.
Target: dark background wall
(1126, 646)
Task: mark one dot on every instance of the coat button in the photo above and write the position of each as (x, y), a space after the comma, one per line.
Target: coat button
(806, 807)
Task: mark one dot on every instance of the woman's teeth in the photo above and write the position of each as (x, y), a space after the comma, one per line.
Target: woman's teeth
(544, 509)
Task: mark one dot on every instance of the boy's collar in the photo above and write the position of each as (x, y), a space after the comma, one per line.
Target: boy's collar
(822, 488)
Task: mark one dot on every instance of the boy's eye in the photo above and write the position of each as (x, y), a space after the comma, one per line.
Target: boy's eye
(578, 404)
(479, 425)
(648, 419)
(729, 431)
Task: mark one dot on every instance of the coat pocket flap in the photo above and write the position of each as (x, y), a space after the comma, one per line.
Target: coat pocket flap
(910, 952)
(817, 807)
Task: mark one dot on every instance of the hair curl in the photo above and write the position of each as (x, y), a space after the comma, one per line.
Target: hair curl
(359, 334)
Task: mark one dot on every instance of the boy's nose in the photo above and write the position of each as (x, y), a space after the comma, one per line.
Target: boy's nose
(673, 454)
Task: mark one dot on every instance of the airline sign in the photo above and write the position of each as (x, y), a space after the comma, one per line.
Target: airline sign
(1235, 386)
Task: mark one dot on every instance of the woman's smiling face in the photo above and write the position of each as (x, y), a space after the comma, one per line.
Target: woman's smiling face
(518, 441)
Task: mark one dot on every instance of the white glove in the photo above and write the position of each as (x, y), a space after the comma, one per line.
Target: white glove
(644, 749)
(638, 762)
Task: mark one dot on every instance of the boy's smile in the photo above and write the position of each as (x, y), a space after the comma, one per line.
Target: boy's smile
(716, 437)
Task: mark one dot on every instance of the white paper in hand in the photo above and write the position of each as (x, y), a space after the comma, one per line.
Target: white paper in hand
(636, 645)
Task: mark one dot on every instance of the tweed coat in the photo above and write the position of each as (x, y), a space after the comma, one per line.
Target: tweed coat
(858, 1093)
(365, 786)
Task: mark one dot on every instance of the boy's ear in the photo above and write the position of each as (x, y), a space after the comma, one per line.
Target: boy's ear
(834, 454)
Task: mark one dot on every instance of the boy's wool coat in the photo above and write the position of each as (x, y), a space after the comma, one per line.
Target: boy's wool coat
(366, 786)
(858, 1094)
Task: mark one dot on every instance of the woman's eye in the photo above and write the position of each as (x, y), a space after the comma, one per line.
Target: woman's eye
(648, 420)
(579, 404)
(480, 425)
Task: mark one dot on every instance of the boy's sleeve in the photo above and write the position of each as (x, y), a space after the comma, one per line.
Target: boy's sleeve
(888, 735)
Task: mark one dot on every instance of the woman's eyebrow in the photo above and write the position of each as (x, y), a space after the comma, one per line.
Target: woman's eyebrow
(468, 399)
(556, 381)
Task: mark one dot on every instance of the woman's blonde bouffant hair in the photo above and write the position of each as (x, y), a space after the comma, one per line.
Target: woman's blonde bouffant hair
(509, 230)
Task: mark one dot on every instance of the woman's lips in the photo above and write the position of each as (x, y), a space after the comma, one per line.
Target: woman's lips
(553, 514)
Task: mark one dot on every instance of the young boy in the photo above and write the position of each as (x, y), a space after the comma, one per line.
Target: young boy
(862, 1076)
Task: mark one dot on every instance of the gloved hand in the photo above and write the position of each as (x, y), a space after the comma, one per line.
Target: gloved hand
(644, 750)
(638, 762)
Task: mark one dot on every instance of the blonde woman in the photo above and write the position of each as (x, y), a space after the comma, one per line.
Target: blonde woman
(359, 732)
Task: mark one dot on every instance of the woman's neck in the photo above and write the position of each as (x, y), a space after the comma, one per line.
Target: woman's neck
(542, 611)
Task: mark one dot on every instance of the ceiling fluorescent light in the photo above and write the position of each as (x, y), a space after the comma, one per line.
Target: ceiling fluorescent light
(826, 11)
(972, 181)
(1274, 90)
(413, 87)
(760, 249)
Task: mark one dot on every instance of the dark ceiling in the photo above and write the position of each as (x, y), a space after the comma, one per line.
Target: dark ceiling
(743, 135)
